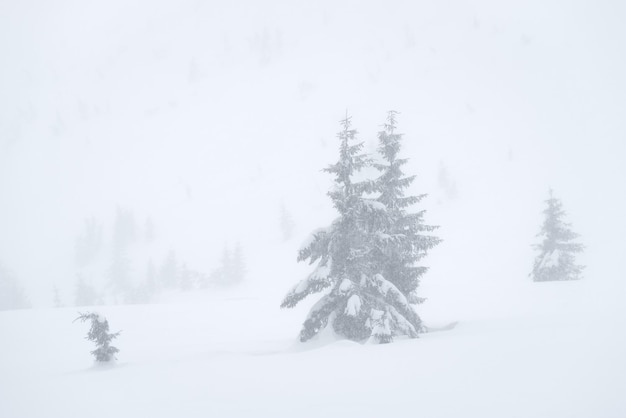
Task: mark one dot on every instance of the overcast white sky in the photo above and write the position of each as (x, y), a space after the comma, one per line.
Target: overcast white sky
(206, 116)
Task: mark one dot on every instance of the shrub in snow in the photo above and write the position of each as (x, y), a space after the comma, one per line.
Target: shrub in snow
(99, 334)
(557, 251)
(359, 301)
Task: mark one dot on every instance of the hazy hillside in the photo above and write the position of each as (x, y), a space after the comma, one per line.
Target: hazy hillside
(210, 119)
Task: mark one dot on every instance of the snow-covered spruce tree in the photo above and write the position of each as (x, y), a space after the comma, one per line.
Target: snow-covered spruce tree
(358, 301)
(556, 258)
(99, 334)
(400, 239)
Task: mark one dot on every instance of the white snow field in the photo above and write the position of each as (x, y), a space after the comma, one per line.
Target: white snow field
(206, 117)
(555, 350)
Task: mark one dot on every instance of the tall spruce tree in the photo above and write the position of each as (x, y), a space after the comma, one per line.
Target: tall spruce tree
(400, 241)
(557, 251)
(358, 301)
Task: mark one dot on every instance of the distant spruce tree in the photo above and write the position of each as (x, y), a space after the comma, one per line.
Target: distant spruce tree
(185, 278)
(150, 283)
(557, 251)
(224, 272)
(89, 242)
(147, 288)
(401, 239)
(56, 297)
(448, 185)
(238, 265)
(119, 271)
(232, 269)
(169, 271)
(99, 334)
(358, 301)
(86, 293)
(286, 223)
(11, 293)
(149, 232)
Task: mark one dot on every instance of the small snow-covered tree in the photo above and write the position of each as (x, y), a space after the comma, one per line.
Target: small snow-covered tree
(100, 335)
(401, 237)
(358, 301)
(557, 249)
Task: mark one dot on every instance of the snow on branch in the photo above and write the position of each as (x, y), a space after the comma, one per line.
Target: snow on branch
(315, 282)
(314, 245)
(318, 317)
(374, 205)
(390, 295)
(353, 306)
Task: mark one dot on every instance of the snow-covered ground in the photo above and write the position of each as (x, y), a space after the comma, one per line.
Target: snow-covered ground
(557, 351)
(208, 117)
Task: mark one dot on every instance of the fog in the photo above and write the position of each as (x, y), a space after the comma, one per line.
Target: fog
(204, 117)
(211, 121)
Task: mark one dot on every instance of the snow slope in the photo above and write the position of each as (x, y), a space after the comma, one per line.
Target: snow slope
(555, 352)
